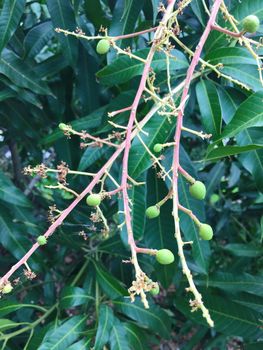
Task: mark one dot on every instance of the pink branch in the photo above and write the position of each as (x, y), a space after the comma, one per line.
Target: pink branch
(131, 122)
(188, 79)
(226, 31)
(131, 35)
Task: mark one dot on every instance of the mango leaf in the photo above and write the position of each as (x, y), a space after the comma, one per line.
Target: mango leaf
(118, 338)
(106, 319)
(124, 19)
(154, 318)
(9, 19)
(62, 336)
(19, 73)
(248, 7)
(80, 345)
(248, 114)
(73, 296)
(158, 129)
(198, 9)
(90, 156)
(7, 324)
(233, 283)
(229, 317)
(125, 68)
(110, 285)
(11, 194)
(62, 16)
(37, 38)
(7, 306)
(244, 250)
(135, 335)
(226, 151)
(252, 161)
(209, 107)
(11, 236)
(230, 55)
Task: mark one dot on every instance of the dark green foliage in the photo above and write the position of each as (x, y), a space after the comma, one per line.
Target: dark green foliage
(79, 298)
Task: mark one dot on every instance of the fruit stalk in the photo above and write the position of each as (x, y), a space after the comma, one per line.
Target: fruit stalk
(177, 137)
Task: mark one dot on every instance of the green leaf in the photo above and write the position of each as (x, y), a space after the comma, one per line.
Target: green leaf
(11, 194)
(124, 68)
(20, 74)
(230, 55)
(209, 107)
(62, 16)
(110, 285)
(106, 319)
(90, 156)
(9, 19)
(82, 344)
(225, 151)
(7, 324)
(230, 318)
(247, 115)
(10, 236)
(154, 318)
(59, 338)
(230, 99)
(158, 130)
(136, 336)
(252, 161)
(73, 296)
(199, 11)
(233, 283)
(244, 250)
(37, 38)
(124, 19)
(118, 338)
(248, 7)
(6, 307)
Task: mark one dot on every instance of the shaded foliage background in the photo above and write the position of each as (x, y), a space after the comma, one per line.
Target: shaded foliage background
(46, 78)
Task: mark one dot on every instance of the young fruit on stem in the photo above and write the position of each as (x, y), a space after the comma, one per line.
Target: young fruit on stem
(41, 240)
(103, 46)
(7, 288)
(206, 232)
(155, 290)
(152, 212)
(251, 24)
(197, 190)
(62, 126)
(93, 200)
(164, 256)
(157, 147)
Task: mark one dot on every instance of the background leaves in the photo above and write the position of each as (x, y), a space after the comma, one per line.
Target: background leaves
(79, 299)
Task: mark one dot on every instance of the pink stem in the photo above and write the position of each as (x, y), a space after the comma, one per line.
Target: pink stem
(186, 175)
(112, 114)
(131, 35)
(226, 31)
(132, 118)
(188, 79)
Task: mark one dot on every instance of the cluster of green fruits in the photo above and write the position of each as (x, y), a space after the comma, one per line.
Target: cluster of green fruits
(197, 191)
